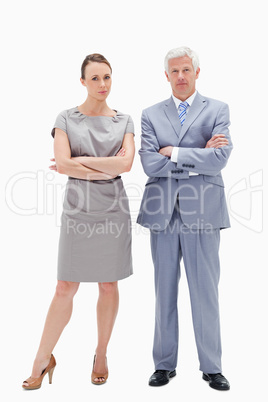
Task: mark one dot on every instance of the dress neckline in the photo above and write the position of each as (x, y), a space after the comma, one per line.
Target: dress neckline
(101, 115)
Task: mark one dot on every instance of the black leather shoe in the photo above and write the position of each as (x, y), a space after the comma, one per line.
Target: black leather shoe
(161, 377)
(217, 381)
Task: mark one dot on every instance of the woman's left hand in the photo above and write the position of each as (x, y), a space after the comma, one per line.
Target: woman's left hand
(121, 152)
(53, 167)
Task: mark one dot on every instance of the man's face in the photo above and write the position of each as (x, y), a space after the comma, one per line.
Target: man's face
(182, 76)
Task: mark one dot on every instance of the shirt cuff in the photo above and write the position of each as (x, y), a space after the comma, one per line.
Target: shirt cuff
(174, 154)
(174, 158)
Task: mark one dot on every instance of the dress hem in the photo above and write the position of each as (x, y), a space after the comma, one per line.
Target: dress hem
(95, 281)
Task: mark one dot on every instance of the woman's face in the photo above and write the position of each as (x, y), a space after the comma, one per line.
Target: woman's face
(98, 80)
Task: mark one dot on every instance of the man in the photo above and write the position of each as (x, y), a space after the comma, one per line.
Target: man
(184, 146)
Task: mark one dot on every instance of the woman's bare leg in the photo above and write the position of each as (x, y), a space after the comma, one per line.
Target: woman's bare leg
(58, 316)
(107, 308)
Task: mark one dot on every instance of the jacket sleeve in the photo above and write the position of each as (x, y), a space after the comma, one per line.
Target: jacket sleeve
(155, 164)
(209, 161)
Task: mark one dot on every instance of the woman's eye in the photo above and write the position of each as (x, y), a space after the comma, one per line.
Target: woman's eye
(94, 79)
(107, 77)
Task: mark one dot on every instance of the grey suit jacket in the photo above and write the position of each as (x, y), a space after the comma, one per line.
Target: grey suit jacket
(201, 198)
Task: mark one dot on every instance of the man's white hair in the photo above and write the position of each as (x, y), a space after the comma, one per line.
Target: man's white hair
(180, 52)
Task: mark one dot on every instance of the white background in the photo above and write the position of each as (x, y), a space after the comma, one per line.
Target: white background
(43, 46)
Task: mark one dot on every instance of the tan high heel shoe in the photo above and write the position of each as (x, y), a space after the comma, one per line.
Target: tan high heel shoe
(35, 383)
(94, 375)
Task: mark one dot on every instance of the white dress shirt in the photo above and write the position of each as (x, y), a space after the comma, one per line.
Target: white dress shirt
(175, 151)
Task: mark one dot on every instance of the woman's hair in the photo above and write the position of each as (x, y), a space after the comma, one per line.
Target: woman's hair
(93, 58)
(180, 52)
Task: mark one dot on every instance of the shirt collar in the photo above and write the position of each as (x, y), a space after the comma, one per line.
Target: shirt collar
(189, 100)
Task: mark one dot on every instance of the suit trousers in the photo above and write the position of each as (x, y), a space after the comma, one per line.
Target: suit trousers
(199, 250)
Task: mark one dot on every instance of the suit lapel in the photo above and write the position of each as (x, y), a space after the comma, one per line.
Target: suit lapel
(196, 108)
(172, 115)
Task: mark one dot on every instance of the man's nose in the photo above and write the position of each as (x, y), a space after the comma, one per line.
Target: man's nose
(180, 75)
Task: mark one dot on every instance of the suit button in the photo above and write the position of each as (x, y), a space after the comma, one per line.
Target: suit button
(177, 180)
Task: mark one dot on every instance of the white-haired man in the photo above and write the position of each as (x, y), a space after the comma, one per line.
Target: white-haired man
(184, 146)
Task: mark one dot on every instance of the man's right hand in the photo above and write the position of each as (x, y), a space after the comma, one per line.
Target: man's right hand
(217, 141)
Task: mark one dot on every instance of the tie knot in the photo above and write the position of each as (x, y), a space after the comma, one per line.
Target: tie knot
(183, 105)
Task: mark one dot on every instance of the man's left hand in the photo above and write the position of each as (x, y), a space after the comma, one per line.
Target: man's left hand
(166, 151)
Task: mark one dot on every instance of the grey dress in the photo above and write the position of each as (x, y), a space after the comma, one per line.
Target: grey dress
(95, 236)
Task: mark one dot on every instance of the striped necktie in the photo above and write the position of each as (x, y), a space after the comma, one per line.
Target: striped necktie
(182, 111)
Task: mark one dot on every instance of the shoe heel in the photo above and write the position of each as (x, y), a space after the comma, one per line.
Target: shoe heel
(50, 375)
(205, 377)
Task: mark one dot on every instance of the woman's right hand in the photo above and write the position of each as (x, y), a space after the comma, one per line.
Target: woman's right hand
(121, 152)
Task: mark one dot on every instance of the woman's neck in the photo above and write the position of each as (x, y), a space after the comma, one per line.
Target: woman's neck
(92, 107)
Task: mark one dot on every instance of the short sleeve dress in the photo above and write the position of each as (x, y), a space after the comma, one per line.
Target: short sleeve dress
(95, 234)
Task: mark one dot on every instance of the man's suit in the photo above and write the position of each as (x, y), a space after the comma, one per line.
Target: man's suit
(185, 213)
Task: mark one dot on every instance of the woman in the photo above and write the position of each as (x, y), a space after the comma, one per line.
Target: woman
(93, 144)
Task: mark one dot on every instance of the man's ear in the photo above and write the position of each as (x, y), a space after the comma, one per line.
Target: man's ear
(167, 76)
